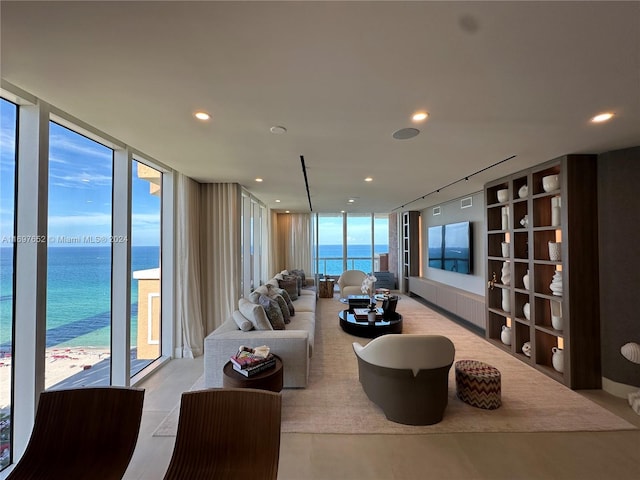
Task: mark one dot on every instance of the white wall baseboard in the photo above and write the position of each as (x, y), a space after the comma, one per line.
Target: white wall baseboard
(621, 390)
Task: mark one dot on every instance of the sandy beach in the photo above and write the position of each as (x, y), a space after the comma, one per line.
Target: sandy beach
(60, 364)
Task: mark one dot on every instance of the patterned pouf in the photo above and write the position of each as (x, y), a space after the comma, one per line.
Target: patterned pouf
(478, 384)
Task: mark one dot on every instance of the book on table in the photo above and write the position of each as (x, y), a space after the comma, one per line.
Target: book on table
(255, 369)
(363, 313)
(249, 357)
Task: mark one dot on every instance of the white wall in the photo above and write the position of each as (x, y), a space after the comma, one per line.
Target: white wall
(451, 212)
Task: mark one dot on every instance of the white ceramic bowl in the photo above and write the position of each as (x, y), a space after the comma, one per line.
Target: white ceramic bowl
(503, 195)
(551, 183)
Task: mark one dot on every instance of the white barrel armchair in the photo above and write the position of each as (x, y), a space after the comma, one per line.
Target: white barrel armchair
(407, 376)
(350, 282)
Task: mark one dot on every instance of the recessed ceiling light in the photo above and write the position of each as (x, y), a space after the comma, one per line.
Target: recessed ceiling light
(278, 130)
(602, 117)
(277, 201)
(202, 115)
(368, 179)
(420, 116)
(286, 211)
(351, 200)
(341, 211)
(258, 179)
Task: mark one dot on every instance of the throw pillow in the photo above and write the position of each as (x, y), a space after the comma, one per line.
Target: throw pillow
(254, 297)
(283, 307)
(301, 274)
(243, 323)
(255, 314)
(291, 286)
(273, 283)
(298, 282)
(274, 314)
(287, 299)
(264, 289)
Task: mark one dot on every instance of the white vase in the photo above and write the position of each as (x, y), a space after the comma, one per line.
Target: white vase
(550, 183)
(557, 359)
(506, 302)
(505, 335)
(631, 351)
(556, 315)
(506, 274)
(556, 284)
(555, 251)
(503, 195)
(526, 309)
(505, 218)
(505, 249)
(525, 280)
(555, 211)
(525, 221)
(526, 348)
(523, 192)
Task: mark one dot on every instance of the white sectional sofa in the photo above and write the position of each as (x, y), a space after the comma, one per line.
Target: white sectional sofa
(294, 344)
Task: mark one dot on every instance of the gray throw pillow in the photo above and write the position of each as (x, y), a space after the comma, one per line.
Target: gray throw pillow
(287, 299)
(301, 274)
(283, 307)
(272, 309)
(291, 286)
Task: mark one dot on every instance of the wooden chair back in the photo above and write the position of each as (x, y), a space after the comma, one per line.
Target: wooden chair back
(231, 433)
(82, 433)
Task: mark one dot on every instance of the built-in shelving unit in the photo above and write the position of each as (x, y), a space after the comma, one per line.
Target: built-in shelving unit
(575, 307)
(410, 247)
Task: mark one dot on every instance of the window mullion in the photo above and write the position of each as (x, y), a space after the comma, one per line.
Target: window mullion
(30, 269)
(121, 269)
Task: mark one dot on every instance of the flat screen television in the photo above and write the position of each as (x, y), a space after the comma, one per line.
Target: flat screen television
(450, 247)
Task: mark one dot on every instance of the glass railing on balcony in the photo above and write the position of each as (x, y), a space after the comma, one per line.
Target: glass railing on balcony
(333, 266)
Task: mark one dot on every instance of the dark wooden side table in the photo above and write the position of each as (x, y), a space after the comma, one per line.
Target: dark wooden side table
(325, 287)
(270, 379)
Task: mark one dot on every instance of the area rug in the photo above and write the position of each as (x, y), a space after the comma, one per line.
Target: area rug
(334, 401)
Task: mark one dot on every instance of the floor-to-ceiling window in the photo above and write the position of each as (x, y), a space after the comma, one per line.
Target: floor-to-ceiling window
(329, 252)
(349, 241)
(253, 243)
(359, 242)
(8, 133)
(62, 190)
(381, 242)
(79, 245)
(146, 235)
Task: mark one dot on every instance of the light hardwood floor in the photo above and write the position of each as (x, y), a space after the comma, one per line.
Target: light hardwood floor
(577, 455)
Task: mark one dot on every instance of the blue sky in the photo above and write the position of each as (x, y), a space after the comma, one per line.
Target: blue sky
(80, 187)
(358, 230)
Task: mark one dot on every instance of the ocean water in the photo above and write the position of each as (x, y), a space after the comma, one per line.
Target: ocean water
(79, 289)
(78, 294)
(358, 258)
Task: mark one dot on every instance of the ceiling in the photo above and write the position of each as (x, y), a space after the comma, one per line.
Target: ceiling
(497, 78)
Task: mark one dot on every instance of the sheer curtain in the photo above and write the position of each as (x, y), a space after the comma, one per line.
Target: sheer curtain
(188, 259)
(294, 239)
(220, 231)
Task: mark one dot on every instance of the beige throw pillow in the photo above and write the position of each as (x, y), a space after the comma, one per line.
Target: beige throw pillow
(242, 322)
(255, 314)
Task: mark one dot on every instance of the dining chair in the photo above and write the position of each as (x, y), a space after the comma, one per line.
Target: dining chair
(227, 433)
(82, 433)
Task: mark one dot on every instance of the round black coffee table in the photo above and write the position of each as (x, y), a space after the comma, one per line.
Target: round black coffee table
(364, 328)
